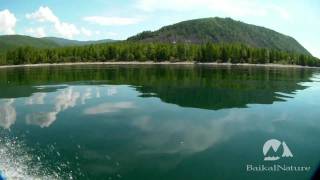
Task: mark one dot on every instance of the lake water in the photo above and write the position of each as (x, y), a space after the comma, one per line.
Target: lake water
(157, 122)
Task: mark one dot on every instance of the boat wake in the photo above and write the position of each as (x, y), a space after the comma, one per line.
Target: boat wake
(17, 163)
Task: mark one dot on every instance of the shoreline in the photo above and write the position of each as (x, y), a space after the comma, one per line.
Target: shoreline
(156, 63)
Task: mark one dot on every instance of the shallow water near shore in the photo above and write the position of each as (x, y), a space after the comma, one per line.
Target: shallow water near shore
(156, 121)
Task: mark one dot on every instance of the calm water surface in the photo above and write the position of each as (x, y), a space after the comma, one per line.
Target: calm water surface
(156, 122)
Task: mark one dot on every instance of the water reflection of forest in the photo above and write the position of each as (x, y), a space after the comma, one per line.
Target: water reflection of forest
(188, 86)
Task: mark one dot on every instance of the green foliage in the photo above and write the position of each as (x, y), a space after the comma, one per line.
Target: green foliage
(130, 51)
(3, 60)
(221, 30)
(144, 35)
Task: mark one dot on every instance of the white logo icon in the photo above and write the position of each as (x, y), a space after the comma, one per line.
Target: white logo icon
(273, 145)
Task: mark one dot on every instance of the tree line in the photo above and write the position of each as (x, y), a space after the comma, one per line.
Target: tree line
(157, 52)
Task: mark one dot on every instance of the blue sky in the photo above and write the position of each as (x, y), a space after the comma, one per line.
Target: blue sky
(119, 19)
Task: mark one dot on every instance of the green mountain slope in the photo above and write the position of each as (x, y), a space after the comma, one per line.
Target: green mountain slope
(221, 30)
(8, 42)
(68, 42)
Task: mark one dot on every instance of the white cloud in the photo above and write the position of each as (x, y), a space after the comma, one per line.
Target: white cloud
(312, 48)
(86, 32)
(66, 29)
(7, 22)
(112, 21)
(284, 14)
(37, 32)
(227, 7)
(111, 33)
(45, 14)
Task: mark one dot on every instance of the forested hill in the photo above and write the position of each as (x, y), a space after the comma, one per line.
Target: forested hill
(8, 42)
(204, 40)
(221, 30)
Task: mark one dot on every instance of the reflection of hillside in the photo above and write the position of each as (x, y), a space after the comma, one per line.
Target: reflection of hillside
(208, 98)
(188, 86)
(225, 88)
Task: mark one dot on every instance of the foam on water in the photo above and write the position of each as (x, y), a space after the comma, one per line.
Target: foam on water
(16, 161)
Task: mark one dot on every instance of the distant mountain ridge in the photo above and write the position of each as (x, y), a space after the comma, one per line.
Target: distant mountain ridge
(221, 30)
(68, 42)
(9, 42)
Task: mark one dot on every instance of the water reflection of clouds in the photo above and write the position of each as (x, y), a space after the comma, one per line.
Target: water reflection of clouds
(112, 91)
(7, 113)
(69, 98)
(109, 107)
(87, 95)
(66, 99)
(42, 119)
(98, 95)
(188, 136)
(37, 98)
(63, 100)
